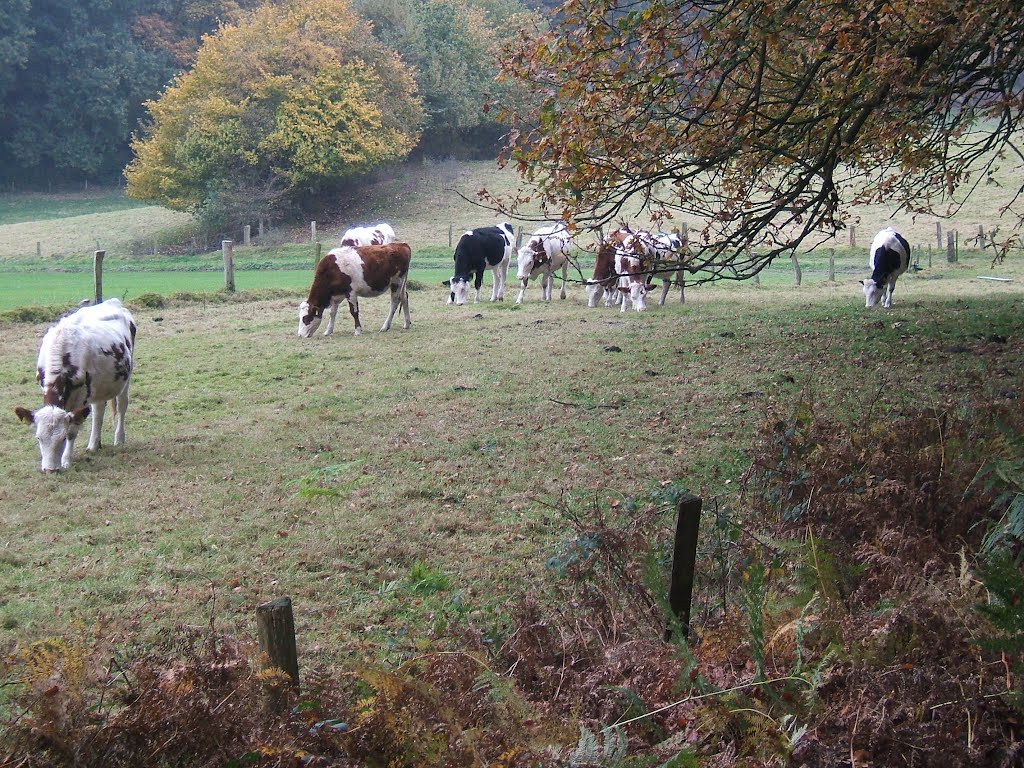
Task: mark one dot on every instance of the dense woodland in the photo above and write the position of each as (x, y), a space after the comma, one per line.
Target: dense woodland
(75, 75)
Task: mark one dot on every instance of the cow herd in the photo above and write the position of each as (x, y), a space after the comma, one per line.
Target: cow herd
(85, 360)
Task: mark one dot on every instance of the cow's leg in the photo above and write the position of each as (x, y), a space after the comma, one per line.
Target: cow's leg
(547, 283)
(522, 290)
(120, 409)
(405, 302)
(666, 286)
(98, 409)
(887, 294)
(396, 300)
(69, 453)
(353, 308)
(502, 273)
(565, 274)
(330, 320)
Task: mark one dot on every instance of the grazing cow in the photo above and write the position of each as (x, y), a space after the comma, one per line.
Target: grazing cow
(666, 264)
(632, 272)
(604, 283)
(351, 272)
(378, 234)
(84, 360)
(888, 259)
(545, 253)
(478, 250)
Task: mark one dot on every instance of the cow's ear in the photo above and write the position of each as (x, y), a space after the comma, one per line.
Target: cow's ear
(80, 415)
(446, 283)
(25, 415)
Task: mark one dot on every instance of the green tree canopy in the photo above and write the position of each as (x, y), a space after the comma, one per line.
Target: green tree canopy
(763, 119)
(72, 82)
(454, 48)
(292, 101)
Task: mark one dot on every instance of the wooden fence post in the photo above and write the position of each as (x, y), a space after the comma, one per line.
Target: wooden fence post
(316, 254)
(275, 634)
(97, 274)
(259, 231)
(246, 234)
(950, 248)
(312, 231)
(797, 272)
(831, 265)
(938, 234)
(39, 249)
(684, 562)
(450, 232)
(227, 247)
(853, 236)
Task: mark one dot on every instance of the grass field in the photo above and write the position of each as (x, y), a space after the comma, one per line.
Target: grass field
(407, 489)
(258, 464)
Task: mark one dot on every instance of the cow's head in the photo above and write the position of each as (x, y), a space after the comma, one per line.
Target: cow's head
(872, 292)
(459, 292)
(54, 427)
(309, 319)
(531, 257)
(638, 295)
(595, 292)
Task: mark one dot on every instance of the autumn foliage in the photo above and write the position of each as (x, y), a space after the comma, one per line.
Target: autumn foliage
(291, 101)
(763, 120)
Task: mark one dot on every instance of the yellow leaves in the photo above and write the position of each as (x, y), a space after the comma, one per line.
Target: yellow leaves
(300, 90)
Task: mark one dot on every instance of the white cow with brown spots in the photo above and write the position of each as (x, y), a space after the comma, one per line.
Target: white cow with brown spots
(376, 234)
(353, 272)
(84, 360)
(546, 252)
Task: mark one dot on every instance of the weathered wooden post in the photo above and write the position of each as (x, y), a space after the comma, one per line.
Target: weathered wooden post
(275, 634)
(981, 236)
(950, 248)
(831, 265)
(97, 275)
(797, 272)
(757, 279)
(938, 234)
(929, 255)
(316, 253)
(246, 234)
(451, 229)
(39, 249)
(853, 236)
(312, 231)
(684, 562)
(227, 248)
(259, 231)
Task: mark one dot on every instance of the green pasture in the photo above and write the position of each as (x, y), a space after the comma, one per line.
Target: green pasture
(333, 469)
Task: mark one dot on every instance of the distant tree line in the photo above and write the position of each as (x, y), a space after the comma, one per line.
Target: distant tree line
(80, 78)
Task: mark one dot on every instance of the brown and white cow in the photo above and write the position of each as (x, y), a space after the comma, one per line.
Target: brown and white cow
(605, 282)
(376, 234)
(546, 252)
(84, 360)
(351, 272)
(632, 276)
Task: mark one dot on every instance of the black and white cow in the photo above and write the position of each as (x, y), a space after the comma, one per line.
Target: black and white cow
(84, 361)
(348, 273)
(889, 258)
(478, 250)
(546, 252)
(376, 234)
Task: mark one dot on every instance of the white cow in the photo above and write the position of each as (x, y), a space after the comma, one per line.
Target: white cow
(84, 360)
(376, 234)
(889, 258)
(545, 253)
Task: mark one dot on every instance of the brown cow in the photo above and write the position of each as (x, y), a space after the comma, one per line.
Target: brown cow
(348, 273)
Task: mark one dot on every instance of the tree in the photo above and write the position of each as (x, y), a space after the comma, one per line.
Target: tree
(765, 119)
(294, 100)
(72, 82)
(453, 47)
